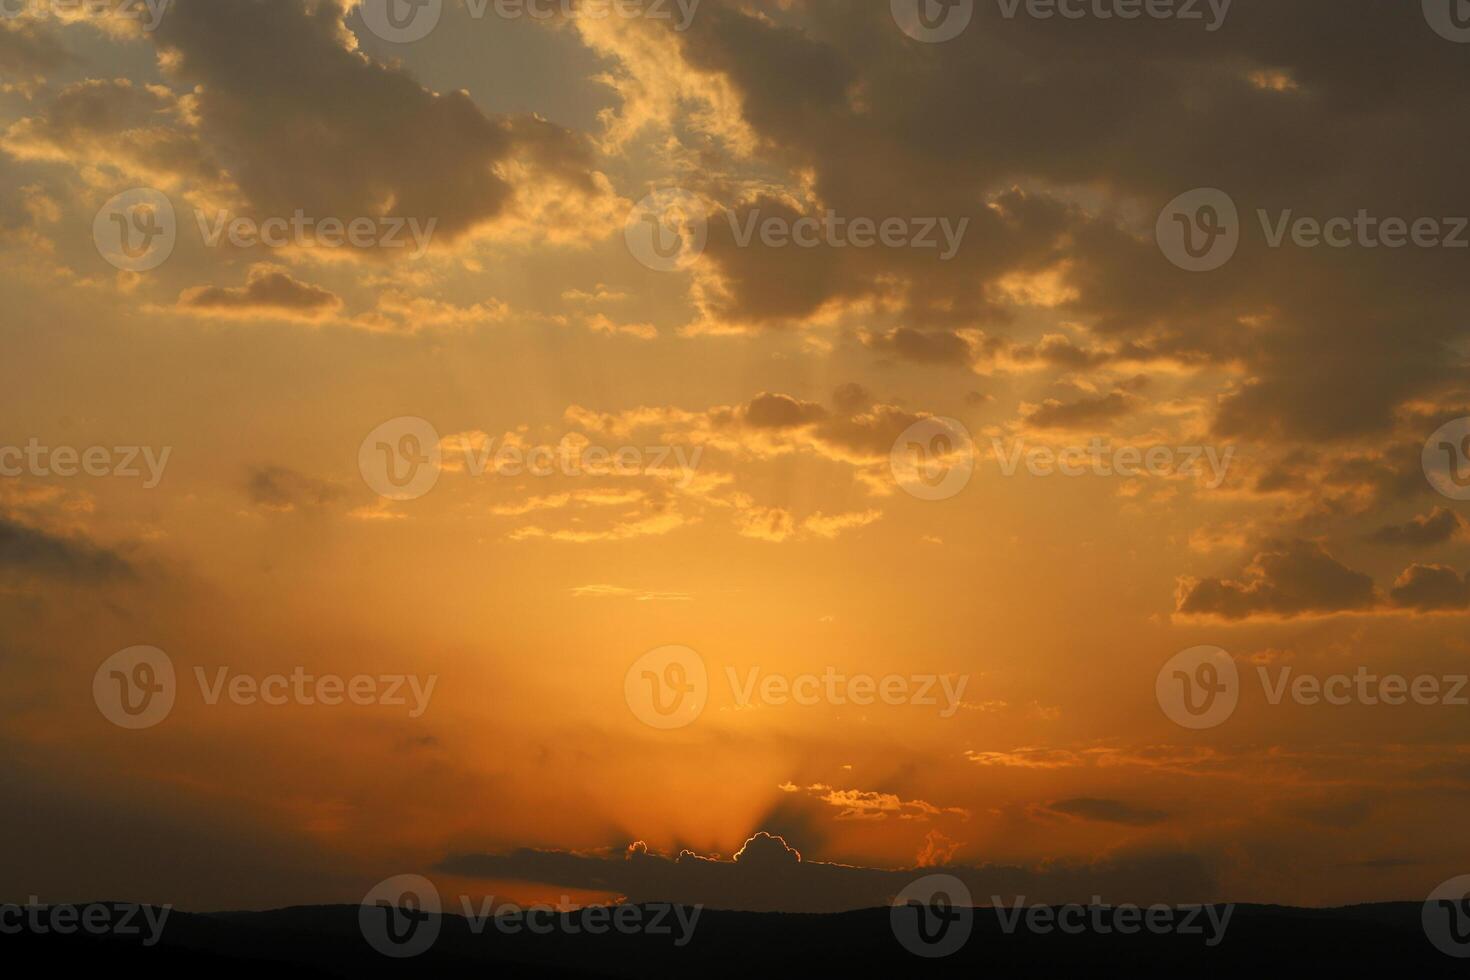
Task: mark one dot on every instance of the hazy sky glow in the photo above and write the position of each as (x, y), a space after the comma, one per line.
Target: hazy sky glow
(637, 449)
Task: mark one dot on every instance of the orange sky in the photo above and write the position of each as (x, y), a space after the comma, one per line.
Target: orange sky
(769, 396)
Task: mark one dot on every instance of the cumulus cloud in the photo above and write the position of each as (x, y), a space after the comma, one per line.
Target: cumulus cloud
(269, 290)
(1431, 588)
(1436, 527)
(1294, 578)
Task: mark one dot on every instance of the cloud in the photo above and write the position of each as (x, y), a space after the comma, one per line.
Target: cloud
(29, 53)
(771, 876)
(848, 116)
(281, 489)
(33, 551)
(935, 347)
(767, 851)
(141, 130)
(767, 411)
(938, 850)
(1292, 579)
(1085, 412)
(284, 113)
(1107, 811)
(1436, 527)
(621, 592)
(269, 290)
(1431, 588)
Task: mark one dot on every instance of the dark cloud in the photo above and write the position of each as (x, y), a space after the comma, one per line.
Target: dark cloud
(1108, 811)
(767, 411)
(992, 126)
(781, 882)
(1084, 412)
(279, 488)
(26, 52)
(267, 290)
(30, 550)
(302, 120)
(1292, 579)
(1436, 527)
(923, 347)
(1431, 588)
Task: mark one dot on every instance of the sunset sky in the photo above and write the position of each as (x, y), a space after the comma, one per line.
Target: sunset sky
(772, 393)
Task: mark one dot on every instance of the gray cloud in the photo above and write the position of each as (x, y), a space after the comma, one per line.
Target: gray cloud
(30, 550)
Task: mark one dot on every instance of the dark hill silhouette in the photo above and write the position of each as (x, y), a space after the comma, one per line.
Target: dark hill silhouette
(327, 942)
